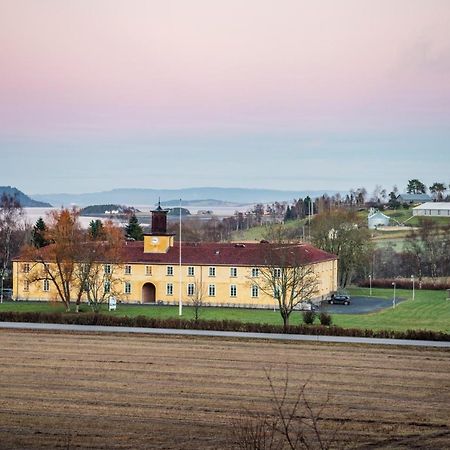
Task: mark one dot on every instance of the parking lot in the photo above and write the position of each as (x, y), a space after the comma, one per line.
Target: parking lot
(359, 305)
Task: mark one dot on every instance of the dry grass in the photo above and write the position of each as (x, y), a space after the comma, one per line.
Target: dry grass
(73, 390)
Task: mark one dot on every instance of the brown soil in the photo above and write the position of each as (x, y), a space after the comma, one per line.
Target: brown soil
(69, 390)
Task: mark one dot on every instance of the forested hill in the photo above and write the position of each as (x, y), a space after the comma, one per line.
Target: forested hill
(25, 201)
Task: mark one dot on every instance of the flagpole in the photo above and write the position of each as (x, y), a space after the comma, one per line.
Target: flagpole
(180, 303)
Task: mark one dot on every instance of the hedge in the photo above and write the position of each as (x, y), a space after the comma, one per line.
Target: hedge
(214, 325)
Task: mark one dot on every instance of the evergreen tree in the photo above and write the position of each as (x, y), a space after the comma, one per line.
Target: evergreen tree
(38, 234)
(133, 230)
(96, 228)
(416, 187)
(288, 215)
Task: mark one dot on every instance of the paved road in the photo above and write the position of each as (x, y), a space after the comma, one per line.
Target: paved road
(232, 334)
(360, 305)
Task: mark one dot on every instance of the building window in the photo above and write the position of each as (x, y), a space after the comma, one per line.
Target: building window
(277, 272)
(127, 288)
(233, 271)
(169, 271)
(255, 272)
(46, 285)
(233, 290)
(107, 287)
(190, 289)
(107, 268)
(169, 289)
(148, 270)
(191, 271)
(127, 269)
(255, 291)
(212, 290)
(25, 268)
(212, 272)
(26, 285)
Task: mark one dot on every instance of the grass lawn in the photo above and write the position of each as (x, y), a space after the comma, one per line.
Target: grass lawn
(430, 310)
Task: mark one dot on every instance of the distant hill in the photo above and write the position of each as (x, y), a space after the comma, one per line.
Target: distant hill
(25, 201)
(205, 202)
(151, 196)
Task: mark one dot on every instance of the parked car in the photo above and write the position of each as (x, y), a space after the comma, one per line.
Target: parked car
(339, 299)
(305, 306)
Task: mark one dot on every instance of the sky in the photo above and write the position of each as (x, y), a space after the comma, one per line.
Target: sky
(291, 94)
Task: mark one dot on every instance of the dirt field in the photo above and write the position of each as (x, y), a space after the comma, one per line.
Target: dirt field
(120, 391)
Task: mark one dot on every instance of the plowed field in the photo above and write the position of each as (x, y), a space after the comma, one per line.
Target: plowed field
(69, 390)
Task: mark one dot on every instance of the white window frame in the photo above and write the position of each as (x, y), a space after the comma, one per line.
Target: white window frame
(255, 272)
(169, 289)
(212, 290)
(277, 272)
(169, 271)
(107, 269)
(233, 272)
(191, 271)
(255, 291)
(46, 285)
(107, 287)
(128, 269)
(212, 271)
(127, 288)
(26, 268)
(190, 289)
(233, 290)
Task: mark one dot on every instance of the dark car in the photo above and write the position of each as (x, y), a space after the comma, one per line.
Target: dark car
(339, 299)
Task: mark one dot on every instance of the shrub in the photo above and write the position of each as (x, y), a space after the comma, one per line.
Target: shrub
(325, 319)
(309, 317)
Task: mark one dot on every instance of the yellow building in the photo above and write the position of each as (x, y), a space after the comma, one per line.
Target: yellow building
(223, 274)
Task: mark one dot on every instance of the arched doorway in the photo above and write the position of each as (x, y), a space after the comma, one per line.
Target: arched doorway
(148, 293)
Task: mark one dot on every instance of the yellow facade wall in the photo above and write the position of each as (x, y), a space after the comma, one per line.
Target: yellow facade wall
(159, 276)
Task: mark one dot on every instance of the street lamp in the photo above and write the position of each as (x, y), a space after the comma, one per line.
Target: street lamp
(393, 300)
(370, 285)
(412, 279)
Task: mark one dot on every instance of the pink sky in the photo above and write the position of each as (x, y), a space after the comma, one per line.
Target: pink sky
(356, 91)
(140, 65)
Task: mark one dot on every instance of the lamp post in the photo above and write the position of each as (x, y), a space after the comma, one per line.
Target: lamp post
(414, 293)
(370, 285)
(393, 300)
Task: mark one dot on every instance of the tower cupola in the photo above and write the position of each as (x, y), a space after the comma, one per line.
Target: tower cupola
(158, 240)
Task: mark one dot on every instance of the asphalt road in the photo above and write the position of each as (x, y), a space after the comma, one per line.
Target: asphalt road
(360, 305)
(229, 334)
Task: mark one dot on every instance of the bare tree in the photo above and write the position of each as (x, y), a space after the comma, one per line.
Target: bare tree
(11, 235)
(98, 266)
(72, 260)
(286, 276)
(196, 296)
(342, 233)
(291, 422)
(56, 262)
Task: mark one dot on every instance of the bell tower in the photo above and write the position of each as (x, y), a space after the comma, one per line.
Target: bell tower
(159, 240)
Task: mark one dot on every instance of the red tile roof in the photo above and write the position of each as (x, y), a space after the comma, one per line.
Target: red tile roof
(228, 254)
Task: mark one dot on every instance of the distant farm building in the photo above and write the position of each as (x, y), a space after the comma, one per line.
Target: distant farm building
(413, 199)
(433, 209)
(377, 219)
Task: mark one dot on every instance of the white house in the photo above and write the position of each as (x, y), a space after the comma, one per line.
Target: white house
(377, 219)
(435, 209)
